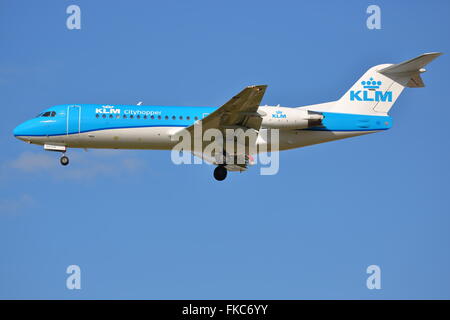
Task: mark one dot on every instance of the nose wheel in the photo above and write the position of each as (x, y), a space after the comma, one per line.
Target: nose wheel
(64, 160)
(220, 173)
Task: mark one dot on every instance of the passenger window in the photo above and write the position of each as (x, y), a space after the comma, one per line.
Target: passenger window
(196, 118)
(152, 117)
(97, 115)
(173, 117)
(131, 117)
(159, 117)
(187, 118)
(104, 116)
(110, 116)
(166, 117)
(145, 117)
(124, 116)
(181, 117)
(138, 117)
(118, 116)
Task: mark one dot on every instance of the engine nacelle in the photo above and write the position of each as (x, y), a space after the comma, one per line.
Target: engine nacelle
(289, 118)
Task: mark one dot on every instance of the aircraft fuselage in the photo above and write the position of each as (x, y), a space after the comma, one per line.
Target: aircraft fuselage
(151, 127)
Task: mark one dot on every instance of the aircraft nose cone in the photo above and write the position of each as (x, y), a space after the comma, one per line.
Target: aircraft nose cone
(19, 131)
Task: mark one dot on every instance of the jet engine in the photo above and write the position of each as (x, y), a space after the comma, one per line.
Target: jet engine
(289, 118)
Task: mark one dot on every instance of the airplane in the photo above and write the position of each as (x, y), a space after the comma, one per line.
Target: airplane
(363, 109)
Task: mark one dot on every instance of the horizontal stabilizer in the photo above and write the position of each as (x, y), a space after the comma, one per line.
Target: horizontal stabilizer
(412, 68)
(413, 65)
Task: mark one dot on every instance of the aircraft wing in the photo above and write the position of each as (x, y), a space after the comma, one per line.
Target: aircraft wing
(241, 111)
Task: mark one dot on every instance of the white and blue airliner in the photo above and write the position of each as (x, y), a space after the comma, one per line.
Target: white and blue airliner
(361, 110)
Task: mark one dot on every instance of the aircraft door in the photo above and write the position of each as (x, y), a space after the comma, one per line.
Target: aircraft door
(73, 119)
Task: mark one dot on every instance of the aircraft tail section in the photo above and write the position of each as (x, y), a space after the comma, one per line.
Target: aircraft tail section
(378, 89)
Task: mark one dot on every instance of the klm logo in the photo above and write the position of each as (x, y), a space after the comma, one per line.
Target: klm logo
(371, 94)
(107, 110)
(278, 115)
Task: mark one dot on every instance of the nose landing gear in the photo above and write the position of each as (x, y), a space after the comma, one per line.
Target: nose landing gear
(220, 172)
(59, 148)
(64, 160)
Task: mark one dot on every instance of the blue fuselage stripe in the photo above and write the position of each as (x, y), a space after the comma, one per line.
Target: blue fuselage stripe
(74, 119)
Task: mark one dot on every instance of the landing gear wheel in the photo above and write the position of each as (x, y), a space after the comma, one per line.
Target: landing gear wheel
(220, 173)
(64, 160)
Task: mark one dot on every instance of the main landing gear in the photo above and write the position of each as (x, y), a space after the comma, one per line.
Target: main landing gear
(64, 160)
(220, 172)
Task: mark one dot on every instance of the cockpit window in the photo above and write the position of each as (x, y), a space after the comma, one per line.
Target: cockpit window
(47, 114)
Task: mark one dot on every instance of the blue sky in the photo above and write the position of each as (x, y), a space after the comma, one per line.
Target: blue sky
(141, 227)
